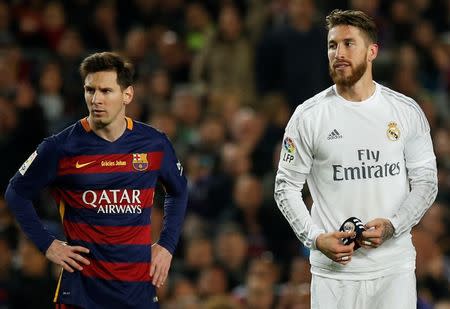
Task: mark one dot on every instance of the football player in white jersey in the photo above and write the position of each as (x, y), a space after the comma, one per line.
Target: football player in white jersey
(366, 152)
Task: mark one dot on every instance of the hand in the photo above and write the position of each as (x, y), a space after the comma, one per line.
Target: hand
(161, 259)
(67, 256)
(377, 232)
(331, 245)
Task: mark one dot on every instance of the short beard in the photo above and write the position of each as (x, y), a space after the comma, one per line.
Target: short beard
(349, 81)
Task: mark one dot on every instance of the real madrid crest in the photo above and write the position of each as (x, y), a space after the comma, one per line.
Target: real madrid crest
(393, 132)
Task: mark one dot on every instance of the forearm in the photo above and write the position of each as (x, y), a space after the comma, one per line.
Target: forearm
(174, 210)
(28, 220)
(288, 195)
(424, 186)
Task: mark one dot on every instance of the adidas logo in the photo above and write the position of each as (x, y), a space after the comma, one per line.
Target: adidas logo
(334, 135)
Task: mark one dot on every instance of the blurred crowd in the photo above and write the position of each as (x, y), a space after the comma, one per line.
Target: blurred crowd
(221, 79)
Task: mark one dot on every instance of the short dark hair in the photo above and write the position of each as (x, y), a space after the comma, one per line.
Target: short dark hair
(108, 61)
(353, 18)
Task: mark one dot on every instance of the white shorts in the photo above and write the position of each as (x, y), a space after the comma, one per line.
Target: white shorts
(395, 291)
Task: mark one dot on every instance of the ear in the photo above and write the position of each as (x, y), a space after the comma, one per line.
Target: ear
(372, 52)
(127, 95)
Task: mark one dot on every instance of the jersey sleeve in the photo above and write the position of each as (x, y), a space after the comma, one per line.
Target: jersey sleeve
(418, 144)
(296, 149)
(175, 202)
(422, 173)
(38, 171)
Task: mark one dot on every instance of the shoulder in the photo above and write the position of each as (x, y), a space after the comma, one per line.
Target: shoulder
(309, 107)
(407, 106)
(306, 114)
(148, 131)
(400, 99)
(61, 138)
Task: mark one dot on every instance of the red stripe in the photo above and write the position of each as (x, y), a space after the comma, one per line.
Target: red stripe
(110, 235)
(118, 271)
(96, 198)
(107, 163)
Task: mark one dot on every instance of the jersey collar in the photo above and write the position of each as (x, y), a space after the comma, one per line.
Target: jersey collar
(87, 127)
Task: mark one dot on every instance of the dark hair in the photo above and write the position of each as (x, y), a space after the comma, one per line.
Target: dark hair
(108, 61)
(356, 19)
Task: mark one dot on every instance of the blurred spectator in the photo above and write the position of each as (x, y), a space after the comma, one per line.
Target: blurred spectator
(165, 122)
(6, 35)
(226, 63)
(260, 294)
(234, 161)
(182, 294)
(158, 92)
(70, 52)
(292, 57)
(50, 98)
(101, 30)
(33, 279)
(199, 26)
(173, 56)
(424, 36)
(6, 271)
(27, 16)
(401, 22)
(231, 249)
(198, 255)
(53, 24)
(212, 281)
(295, 293)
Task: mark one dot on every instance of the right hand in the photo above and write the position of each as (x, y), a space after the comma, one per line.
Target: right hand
(68, 257)
(331, 245)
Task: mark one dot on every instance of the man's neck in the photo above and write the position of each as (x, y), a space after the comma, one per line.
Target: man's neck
(110, 132)
(360, 91)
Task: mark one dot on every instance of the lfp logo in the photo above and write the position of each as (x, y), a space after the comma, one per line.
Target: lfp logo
(289, 146)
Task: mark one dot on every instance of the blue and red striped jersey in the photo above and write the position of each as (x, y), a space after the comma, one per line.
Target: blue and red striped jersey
(104, 191)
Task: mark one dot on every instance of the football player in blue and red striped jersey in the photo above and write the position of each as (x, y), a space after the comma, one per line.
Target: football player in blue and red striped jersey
(102, 172)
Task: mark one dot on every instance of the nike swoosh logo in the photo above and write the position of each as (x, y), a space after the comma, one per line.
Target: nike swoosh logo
(78, 165)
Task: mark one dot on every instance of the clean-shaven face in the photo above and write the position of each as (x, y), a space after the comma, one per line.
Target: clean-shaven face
(104, 98)
(347, 55)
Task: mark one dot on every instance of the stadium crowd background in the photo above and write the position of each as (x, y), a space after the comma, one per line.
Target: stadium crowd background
(221, 79)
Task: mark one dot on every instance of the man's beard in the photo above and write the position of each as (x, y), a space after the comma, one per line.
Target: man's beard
(348, 81)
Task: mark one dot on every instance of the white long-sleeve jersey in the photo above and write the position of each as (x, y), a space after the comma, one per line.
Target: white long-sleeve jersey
(370, 159)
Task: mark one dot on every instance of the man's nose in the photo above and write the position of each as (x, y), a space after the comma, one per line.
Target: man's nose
(96, 98)
(339, 53)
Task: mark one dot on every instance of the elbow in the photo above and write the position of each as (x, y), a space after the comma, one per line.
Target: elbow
(433, 187)
(278, 189)
(434, 190)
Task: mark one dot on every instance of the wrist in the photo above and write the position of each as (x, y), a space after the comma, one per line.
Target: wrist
(315, 244)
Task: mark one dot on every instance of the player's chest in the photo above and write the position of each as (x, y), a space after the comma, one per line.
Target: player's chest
(360, 137)
(103, 167)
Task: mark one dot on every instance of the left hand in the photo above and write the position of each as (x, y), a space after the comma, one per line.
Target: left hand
(161, 260)
(377, 232)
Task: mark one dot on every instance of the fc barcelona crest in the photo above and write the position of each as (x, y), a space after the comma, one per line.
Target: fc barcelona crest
(140, 162)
